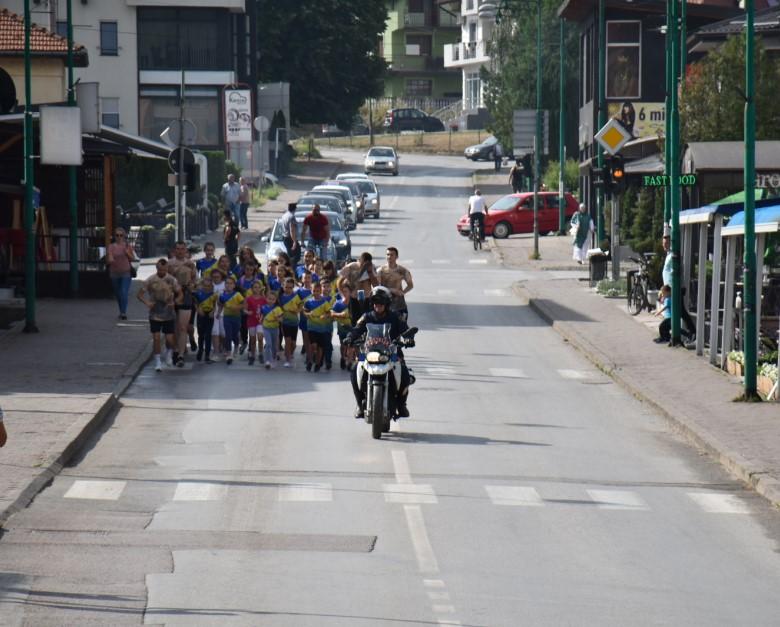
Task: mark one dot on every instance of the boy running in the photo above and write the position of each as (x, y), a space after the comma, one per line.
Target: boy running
(206, 301)
(271, 314)
(319, 324)
(163, 293)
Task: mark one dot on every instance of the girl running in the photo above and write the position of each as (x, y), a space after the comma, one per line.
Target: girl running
(253, 305)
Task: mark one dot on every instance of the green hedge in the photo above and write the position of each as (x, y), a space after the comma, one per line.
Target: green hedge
(141, 179)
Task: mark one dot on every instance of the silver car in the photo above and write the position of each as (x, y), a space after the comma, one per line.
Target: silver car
(329, 202)
(381, 159)
(339, 246)
(370, 193)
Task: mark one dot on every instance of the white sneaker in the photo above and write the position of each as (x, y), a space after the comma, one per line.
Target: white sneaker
(169, 361)
(287, 364)
(158, 365)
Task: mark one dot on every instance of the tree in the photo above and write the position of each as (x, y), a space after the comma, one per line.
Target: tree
(712, 104)
(327, 50)
(511, 81)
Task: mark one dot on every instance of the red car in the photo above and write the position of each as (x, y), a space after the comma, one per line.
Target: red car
(515, 214)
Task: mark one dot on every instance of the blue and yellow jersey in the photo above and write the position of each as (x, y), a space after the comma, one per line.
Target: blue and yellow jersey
(274, 283)
(340, 306)
(291, 305)
(244, 283)
(205, 266)
(207, 301)
(319, 319)
(272, 316)
(232, 304)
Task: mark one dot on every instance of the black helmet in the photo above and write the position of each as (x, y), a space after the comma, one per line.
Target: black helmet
(380, 295)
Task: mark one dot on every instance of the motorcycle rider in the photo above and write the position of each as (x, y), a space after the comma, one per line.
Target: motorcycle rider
(380, 314)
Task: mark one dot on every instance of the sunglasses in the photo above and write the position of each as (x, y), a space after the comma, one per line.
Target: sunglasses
(119, 234)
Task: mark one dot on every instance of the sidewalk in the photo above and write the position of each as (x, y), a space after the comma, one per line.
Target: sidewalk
(696, 398)
(61, 386)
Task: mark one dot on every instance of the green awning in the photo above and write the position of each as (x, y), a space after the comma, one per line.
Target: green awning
(740, 197)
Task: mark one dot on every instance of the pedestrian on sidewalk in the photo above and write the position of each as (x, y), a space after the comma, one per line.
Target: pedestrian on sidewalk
(498, 156)
(3, 432)
(230, 236)
(244, 193)
(582, 231)
(160, 293)
(664, 329)
(119, 258)
(666, 273)
(516, 177)
(290, 233)
(231, 191)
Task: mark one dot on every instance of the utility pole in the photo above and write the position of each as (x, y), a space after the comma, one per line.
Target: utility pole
(370, 122)
(562, 129)
(178, 205)
(668, 118)
(72, 179)
(538, 134)
(752, 303)
(29, 182)
(602, 116)
(674, 171)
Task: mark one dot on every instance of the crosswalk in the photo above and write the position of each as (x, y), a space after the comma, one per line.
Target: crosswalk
(402, 492)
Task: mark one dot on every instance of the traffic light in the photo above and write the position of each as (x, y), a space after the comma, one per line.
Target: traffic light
(615, 174)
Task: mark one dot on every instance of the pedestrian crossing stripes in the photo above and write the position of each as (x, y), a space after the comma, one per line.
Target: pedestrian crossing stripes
(477, 261)
(510, 373)
(96, 490)
(514, 495)
(198, 491)
(573, 374)
(441, 262)
(714, 503)
(617, 499)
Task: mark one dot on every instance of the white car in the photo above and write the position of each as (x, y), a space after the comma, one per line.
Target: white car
(370, 193)
(344, 176)
(381, 159)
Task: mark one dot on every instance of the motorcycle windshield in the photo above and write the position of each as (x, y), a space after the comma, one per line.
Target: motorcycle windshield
(378, 339)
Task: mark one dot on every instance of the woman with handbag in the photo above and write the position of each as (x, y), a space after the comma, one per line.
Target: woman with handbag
(119, 258)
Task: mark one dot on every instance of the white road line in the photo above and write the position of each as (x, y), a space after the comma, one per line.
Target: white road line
(512, 373)
(401, 467)
(498, 292)
(717, 503)
(573, 374)
(306, 492)
(198, 491)
(426, 560)
(438, 596)
(444, 621)
(446, 292)
(440, 370)
(96, 490)
(444, 609)
(441, 262)
(477, 261)
(433, 583)
(409, 493)
(617, 499)
(514, 495)
(105, 363)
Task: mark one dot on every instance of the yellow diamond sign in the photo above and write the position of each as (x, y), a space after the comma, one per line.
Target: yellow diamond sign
(613, 136)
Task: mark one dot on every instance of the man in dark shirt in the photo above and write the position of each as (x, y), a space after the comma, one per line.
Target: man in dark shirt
(319, 227)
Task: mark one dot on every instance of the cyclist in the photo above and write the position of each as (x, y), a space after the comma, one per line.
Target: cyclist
(319, 227)
(477, 212)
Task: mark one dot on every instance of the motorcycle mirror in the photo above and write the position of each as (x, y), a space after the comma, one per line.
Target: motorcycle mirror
(411, 332)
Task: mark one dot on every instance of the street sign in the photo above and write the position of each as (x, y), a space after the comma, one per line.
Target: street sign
(187, 137)
(662, 180)
(238, 116)
(60, 133)
(524, 131)
(613, 136)
(261, 124)
(180, 159)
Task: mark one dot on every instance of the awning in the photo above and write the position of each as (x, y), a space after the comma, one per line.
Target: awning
(720, 207)
(767, 221)
(141, 144)
(652, 164)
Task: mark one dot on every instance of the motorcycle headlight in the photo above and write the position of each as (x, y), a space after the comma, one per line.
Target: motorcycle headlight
(375, 357)
(342, 242)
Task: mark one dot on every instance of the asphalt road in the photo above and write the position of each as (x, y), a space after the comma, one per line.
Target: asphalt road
(526, 488)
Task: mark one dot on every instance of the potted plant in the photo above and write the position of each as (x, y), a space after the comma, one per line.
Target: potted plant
(148, 237)
(767, 377)
(165, 239)
(735, 362)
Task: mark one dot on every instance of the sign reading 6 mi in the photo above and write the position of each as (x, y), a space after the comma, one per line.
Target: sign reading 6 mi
(641, 119)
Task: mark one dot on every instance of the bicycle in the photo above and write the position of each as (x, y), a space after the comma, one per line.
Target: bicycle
(476, 232)
(638, 286)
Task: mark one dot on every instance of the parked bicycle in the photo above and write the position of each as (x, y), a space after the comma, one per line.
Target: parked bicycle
(638, 286)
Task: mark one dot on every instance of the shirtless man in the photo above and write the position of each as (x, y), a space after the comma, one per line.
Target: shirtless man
(393, 277)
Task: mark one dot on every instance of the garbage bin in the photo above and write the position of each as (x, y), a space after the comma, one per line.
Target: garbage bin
(597, 267)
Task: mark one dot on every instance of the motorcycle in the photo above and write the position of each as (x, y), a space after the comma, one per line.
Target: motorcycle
(379, 372)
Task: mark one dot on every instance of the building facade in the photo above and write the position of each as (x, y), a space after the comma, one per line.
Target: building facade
(413, 46)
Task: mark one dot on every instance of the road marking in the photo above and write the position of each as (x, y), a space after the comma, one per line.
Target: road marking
(433, 583)
(499, 292)
(409, 493)
(105, 363)
(512, 373)
(444, 609)
(617, 499)
(426, 560)
(444, 621)
(716, 503)
(306, 492)
(445, 292)
(438, 596)
(514, 495)
(441, 262)
(198, 491)
(476, 261)
(401, 466)
(440, 370)
(573, 374)
(96, 490)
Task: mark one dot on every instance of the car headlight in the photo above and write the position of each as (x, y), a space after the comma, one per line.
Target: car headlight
(358, 203)
(374, 201)
(375, 357)
(390, 163)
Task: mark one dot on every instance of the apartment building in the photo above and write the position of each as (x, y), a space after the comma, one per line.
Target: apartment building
(138, 50)
(413, 45)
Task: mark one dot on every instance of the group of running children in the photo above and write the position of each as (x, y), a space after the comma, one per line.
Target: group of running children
(239, 308)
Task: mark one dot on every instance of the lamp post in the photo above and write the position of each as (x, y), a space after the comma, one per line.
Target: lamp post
(562, 128)
(674, 168)
(29, 211)
(72, 180)
(602, 117)
(751, 303)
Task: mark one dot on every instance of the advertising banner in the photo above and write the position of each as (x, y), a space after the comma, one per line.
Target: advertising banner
(641, 119)
(238, 116)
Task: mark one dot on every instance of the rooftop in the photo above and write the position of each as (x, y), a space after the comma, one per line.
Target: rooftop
(42, 41)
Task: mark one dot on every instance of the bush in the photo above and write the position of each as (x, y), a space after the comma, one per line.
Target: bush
(571, 176)
(139, 179)
(607, 287)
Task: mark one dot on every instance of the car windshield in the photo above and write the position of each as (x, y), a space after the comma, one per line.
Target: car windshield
(344, 194)
(490, 141)
(330, 201)
(335, 222)
(366, 187)
(380, 152)
(504, 204)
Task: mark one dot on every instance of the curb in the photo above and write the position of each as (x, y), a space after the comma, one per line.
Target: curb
(77, 436)
(757, 478)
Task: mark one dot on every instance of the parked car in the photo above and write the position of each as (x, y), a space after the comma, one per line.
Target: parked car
(343, 192)
(344, 176)
(328, 202)
(484, 150)
(370, 192)
(339, 248)
(381, 159)
(397, 120)
(515, 214)
(360, 208)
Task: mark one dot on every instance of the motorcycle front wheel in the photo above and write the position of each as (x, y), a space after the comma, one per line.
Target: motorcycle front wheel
(377, 403)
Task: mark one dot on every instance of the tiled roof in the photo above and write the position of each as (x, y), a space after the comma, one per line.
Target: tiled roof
(42, 41)
(766, 20)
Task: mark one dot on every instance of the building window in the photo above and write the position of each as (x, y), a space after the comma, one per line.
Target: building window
(419, 45)
(109, 112)
(473, 94)
(159, 106)
(62, 29)
(109, 42)
(416, 87)
(624, 53)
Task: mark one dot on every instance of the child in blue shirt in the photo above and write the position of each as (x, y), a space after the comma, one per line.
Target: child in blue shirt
(665, 328)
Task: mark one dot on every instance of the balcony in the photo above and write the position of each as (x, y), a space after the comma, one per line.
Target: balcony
(471, 7)
(416, 63)
(431, 20)
(466, 53)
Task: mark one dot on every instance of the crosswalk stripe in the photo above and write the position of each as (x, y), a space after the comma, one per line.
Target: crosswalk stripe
(439, 370)
(573, 374)
(441, 262)
(514, 495)
(498, 292)
(617, 499)
(199, 491)
(306, 492)
(445, 292)
(438, 596)
(433, 583)
(512, 373)
(417, 493)
(717, 503)
(96, 490)
(477, 261)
